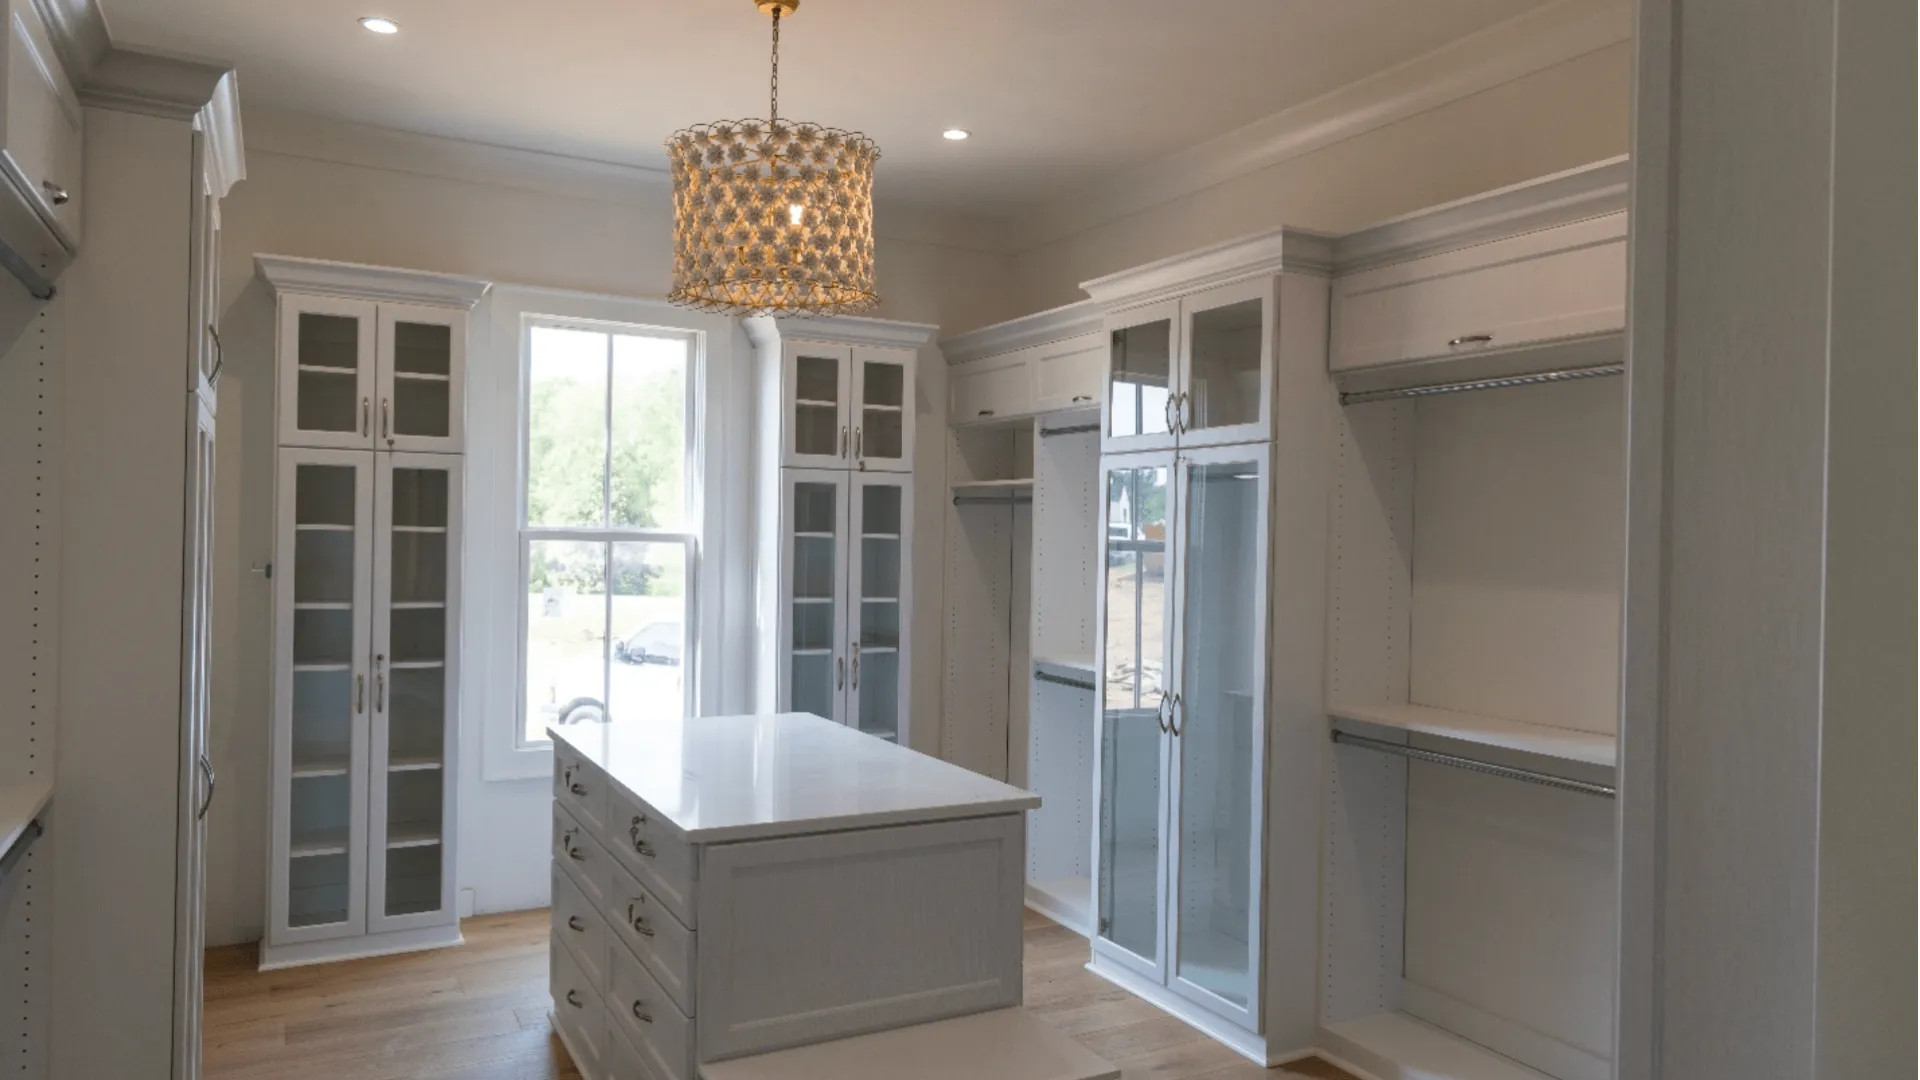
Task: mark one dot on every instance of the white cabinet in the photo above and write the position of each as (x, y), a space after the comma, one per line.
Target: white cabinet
(40, 147)
(992, 390)
(1054, 377)
(846, 406)
(360, 374)
(1566, 282)
(1194, 371)
(847, 606)
(1067, 374)
(1183, 632)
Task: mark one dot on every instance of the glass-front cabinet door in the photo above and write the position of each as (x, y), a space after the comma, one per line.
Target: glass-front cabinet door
(1135, 632)
(1226, 370)
(422, 354)
(1219, 695)
(1143, 348)
(878, 595)
(328, 371)
(817, 393)
(323, 578)
(415, 633)
(814, 625)
(883, 409)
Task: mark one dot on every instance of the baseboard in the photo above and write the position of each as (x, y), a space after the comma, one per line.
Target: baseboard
(1238, 1039)
(274, 957)
(1530, 1047)
(1046, 904)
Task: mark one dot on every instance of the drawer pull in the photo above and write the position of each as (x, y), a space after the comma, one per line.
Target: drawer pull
(578, 789)
(567, 845)
(640, 1012)
(639, 921)
(1082, 397)
(574, 924)
(573, 999)
(986, 412)
(639, 846)
(1469, 339)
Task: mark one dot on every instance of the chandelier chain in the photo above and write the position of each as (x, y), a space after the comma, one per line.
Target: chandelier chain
(773, 107)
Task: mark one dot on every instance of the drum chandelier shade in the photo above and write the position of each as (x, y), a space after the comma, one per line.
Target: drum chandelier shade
(772, 217)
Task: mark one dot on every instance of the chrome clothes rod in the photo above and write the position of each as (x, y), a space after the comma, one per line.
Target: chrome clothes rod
(991, 500)
(1361, 397)
(1475, 765)
(1070, 429)
(1077, 684)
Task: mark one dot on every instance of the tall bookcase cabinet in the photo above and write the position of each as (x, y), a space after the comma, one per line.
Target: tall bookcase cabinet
(366, 587)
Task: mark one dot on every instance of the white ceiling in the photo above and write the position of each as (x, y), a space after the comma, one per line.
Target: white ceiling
(1058, 95)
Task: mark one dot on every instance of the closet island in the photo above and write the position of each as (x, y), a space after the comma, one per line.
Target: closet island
(728, 886)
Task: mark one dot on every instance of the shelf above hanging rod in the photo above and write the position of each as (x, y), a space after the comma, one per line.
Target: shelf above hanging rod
(1475, 765)
(1361, 397)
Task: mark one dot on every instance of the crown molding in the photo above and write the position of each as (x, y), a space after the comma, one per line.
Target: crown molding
(1574, 195)
(153, 83)
(219, 121)
(767, 330)
(1270, 252)
(1040, 328)
(1518, 47)
(288, 273)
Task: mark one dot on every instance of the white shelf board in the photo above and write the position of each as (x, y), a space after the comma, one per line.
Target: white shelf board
(318, 842)
(329, 369)
(1564, 744)
(404, 834)
(421, 376)
(994, 487)
(321, 527)
(19, 805)
(417, 665)
(320, 766)
(412, 762)
(1394, 1046)
(1067, 668)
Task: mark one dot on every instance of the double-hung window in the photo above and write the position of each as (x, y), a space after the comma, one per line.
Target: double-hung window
(608, 523)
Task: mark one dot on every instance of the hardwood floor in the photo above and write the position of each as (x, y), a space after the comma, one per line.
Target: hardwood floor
(480, 1013)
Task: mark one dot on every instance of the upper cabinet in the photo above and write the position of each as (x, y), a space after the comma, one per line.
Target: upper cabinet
(846, 406)
(371, 359)
(40, 147)
(1191, 341)
(1053, 361)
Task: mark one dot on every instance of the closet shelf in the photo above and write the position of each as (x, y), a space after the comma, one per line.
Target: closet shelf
(1564, 744)
(1395, 1044)
(412, 762)
(405, 834)
(313, 842)
(320, 766)
(995, 487)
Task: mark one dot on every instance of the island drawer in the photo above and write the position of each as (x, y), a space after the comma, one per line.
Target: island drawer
(587, 863)
(580, 927)
(650, 850)
(654, 935)
(578, 1010)
(639, 1006)
(580, 786)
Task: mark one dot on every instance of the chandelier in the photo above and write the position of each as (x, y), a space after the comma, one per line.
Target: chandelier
(772, 217)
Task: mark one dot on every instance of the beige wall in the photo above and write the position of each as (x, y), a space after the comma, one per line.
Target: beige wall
(1572, 114)
(510, 232)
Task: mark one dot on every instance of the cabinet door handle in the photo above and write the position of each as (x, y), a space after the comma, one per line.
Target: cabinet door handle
(1082, 397)
(573, 999)
(859, 444)
(366, 414)
(359, 693)
(58, 194)
(1167, 411)
(840, 679)
(206, 766)
(386, 419)
(578, 789)
(1180, 409)
(1173, 716)
(640, 1013)
(219, 355)
(640, 847)
(843, 440)
(986, 412)
(856, 665)
(1469, 339)
(574, 924)
(1160, 714)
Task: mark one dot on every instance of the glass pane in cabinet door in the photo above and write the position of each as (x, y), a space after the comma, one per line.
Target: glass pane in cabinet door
(816, 405)
(319, 820)
(1223, 377)
(417, 621)
(883, 410)
(1140, 371)
(415, 829)
(328, 397)
(422, 379)
(566, 634)
(1132, 683)
(813, 677)
(648, 675)
(1218, 686)
(877, 673)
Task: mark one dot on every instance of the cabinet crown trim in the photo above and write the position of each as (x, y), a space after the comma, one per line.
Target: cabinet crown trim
(1040, 328)
(287, 273)
(839, 329)
(1562, 198)
(1270, 252)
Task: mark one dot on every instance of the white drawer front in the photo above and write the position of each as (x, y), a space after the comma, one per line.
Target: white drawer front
(581, 928)
(1558, 283)
(585, 861)
(654, 935)
(651, 852)
(1069, 374)
(578, 1009)
(624, 1062)
(993, 389)
(640, 1007)
(580, 786)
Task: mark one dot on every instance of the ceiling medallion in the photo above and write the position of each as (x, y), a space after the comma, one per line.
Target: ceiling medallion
(772, 217)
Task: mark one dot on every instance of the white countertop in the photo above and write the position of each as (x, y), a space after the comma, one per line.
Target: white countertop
(721, 778)
(19, 805)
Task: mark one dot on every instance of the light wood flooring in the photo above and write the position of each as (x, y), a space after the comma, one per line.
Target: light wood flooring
(480, 1013)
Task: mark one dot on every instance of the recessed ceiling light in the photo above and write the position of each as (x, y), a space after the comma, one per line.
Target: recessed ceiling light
(379, 25)
(955, 134)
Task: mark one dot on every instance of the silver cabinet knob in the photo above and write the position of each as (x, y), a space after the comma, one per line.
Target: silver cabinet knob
(57, 193)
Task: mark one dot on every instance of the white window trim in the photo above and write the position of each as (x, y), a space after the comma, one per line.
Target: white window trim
(718, 495)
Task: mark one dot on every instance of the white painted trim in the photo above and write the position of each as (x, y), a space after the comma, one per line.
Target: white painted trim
(1518, 47)
(287, 273)
(852, 330)
(1241, 1041)
(1040, 328)
(151, 83)
(1040, 901)
(1269, 252)
(226, 148)
(274, 957)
